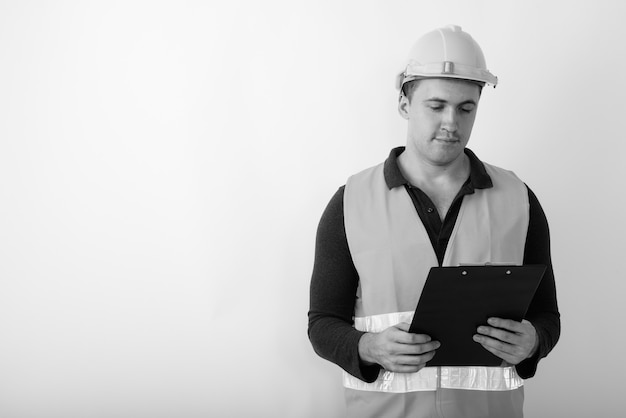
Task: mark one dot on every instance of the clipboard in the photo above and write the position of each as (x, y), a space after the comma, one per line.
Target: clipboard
(456, 300)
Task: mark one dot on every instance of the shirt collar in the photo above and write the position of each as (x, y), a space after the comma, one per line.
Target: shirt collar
(478, 178)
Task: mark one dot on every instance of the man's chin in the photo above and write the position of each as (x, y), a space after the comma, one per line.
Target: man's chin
(447, 153)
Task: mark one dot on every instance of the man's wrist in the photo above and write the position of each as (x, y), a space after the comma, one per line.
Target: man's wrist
(363, 348)
(535, 347)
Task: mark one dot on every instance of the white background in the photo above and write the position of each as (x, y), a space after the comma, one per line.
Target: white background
(163, 167)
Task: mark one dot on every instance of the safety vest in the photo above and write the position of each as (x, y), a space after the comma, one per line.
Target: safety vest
(393, 254)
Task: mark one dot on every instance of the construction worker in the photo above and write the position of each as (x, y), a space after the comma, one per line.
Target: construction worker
(431, 203)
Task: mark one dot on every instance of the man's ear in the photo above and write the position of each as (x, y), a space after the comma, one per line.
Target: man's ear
(403, 106)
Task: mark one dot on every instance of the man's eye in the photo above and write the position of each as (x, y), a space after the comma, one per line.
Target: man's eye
(467, 109)
(436, 108)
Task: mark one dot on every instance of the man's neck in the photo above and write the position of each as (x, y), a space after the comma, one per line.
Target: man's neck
(441, 183)
(424, 174)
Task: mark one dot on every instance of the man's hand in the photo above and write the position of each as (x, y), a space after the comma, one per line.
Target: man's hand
(510, 340)
(397, 350)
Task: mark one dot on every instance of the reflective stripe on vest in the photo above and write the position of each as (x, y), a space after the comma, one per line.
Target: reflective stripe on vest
(392, 253)
(430, 378)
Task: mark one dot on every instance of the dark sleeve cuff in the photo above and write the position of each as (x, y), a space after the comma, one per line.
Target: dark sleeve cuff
(527, 368)
(366, 372)
(337, 341)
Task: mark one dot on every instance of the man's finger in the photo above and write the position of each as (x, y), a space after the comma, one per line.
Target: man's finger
(401, 368)
(404, 326)
(509, 358)
(417, 349)
(507, 324)
(409, 338)
(492, 343)
(499, 334)
(415, 360)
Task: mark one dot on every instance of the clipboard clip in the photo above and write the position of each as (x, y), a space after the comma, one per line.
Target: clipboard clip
(489, 263)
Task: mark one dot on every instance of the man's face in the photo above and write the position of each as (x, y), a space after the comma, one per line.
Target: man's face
(440, 118)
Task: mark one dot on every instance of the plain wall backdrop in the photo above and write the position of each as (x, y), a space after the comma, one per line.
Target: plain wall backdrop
(164, 165)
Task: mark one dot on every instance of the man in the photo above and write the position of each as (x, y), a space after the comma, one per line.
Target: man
(431, 203)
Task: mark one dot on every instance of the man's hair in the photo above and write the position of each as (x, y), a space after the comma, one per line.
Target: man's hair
(409, 87)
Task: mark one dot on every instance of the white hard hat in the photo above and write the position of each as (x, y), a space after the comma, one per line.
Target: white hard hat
(446, 52)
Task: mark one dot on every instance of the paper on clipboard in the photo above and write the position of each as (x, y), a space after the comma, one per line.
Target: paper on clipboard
(456, 300)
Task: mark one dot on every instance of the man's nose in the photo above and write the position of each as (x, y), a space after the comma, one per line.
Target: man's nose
(449, 120)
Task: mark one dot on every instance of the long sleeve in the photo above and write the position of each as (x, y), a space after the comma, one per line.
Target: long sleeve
(543, 312)
(332, 296)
